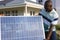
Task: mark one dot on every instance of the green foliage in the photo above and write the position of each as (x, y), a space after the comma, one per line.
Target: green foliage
(58, 27)
(58, 37)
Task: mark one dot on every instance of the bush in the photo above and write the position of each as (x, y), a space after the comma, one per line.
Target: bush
(58, 37)
(58, 27)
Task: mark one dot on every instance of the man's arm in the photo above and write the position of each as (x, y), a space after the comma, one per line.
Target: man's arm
(50, 32)
(51, 28)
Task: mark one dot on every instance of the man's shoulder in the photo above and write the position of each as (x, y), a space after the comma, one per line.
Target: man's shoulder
(42, 11)
(53, 11)
(55, 14)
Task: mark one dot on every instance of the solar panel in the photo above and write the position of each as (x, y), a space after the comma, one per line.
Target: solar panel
(22, 28)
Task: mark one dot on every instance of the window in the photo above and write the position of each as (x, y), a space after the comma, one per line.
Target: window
(14, 13)
(32, 13)
(1, 13)
(7, 13)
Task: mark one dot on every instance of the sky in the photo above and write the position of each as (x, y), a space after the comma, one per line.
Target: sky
(0, 0)
(58, 8)
(58, 4)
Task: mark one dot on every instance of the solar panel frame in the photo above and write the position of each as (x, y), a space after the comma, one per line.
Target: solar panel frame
(24, 30)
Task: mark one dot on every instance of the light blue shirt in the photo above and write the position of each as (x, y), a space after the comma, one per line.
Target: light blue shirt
(49, 18)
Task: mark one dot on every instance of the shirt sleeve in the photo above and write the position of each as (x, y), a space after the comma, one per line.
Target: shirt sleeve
(55, 20)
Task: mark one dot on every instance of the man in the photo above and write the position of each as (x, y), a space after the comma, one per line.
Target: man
(50, 19)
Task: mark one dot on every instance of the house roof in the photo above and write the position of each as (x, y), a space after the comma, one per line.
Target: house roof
(34, 5)
(28, 4)
(5, 1)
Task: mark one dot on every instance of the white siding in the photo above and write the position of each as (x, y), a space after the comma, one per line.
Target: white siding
(32, 9)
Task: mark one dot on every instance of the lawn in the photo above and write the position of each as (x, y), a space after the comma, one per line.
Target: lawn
(58, 31)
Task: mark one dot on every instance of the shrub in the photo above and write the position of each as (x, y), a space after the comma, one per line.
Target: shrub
(58, 27)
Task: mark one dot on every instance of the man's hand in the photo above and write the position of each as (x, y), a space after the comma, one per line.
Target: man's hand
(50, 32)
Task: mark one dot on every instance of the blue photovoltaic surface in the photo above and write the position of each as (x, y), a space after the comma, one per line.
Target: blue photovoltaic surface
(22, 28)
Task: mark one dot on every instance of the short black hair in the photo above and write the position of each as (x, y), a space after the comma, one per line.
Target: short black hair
(46, 2)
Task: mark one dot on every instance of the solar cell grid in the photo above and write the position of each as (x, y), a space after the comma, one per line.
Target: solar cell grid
(22, 28)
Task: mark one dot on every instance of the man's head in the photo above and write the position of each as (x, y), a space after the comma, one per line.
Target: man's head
(48, 6)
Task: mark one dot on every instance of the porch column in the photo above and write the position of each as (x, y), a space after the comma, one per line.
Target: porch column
(25, 11)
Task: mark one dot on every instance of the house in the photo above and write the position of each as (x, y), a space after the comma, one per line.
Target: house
(20, 7)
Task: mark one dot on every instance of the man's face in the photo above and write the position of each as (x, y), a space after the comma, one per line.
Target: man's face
(48, 7)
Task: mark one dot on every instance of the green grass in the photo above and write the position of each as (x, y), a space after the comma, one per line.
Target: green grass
(58, 29)
(58, 37)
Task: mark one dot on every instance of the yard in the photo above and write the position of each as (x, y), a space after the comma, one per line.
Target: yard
(58, 32)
